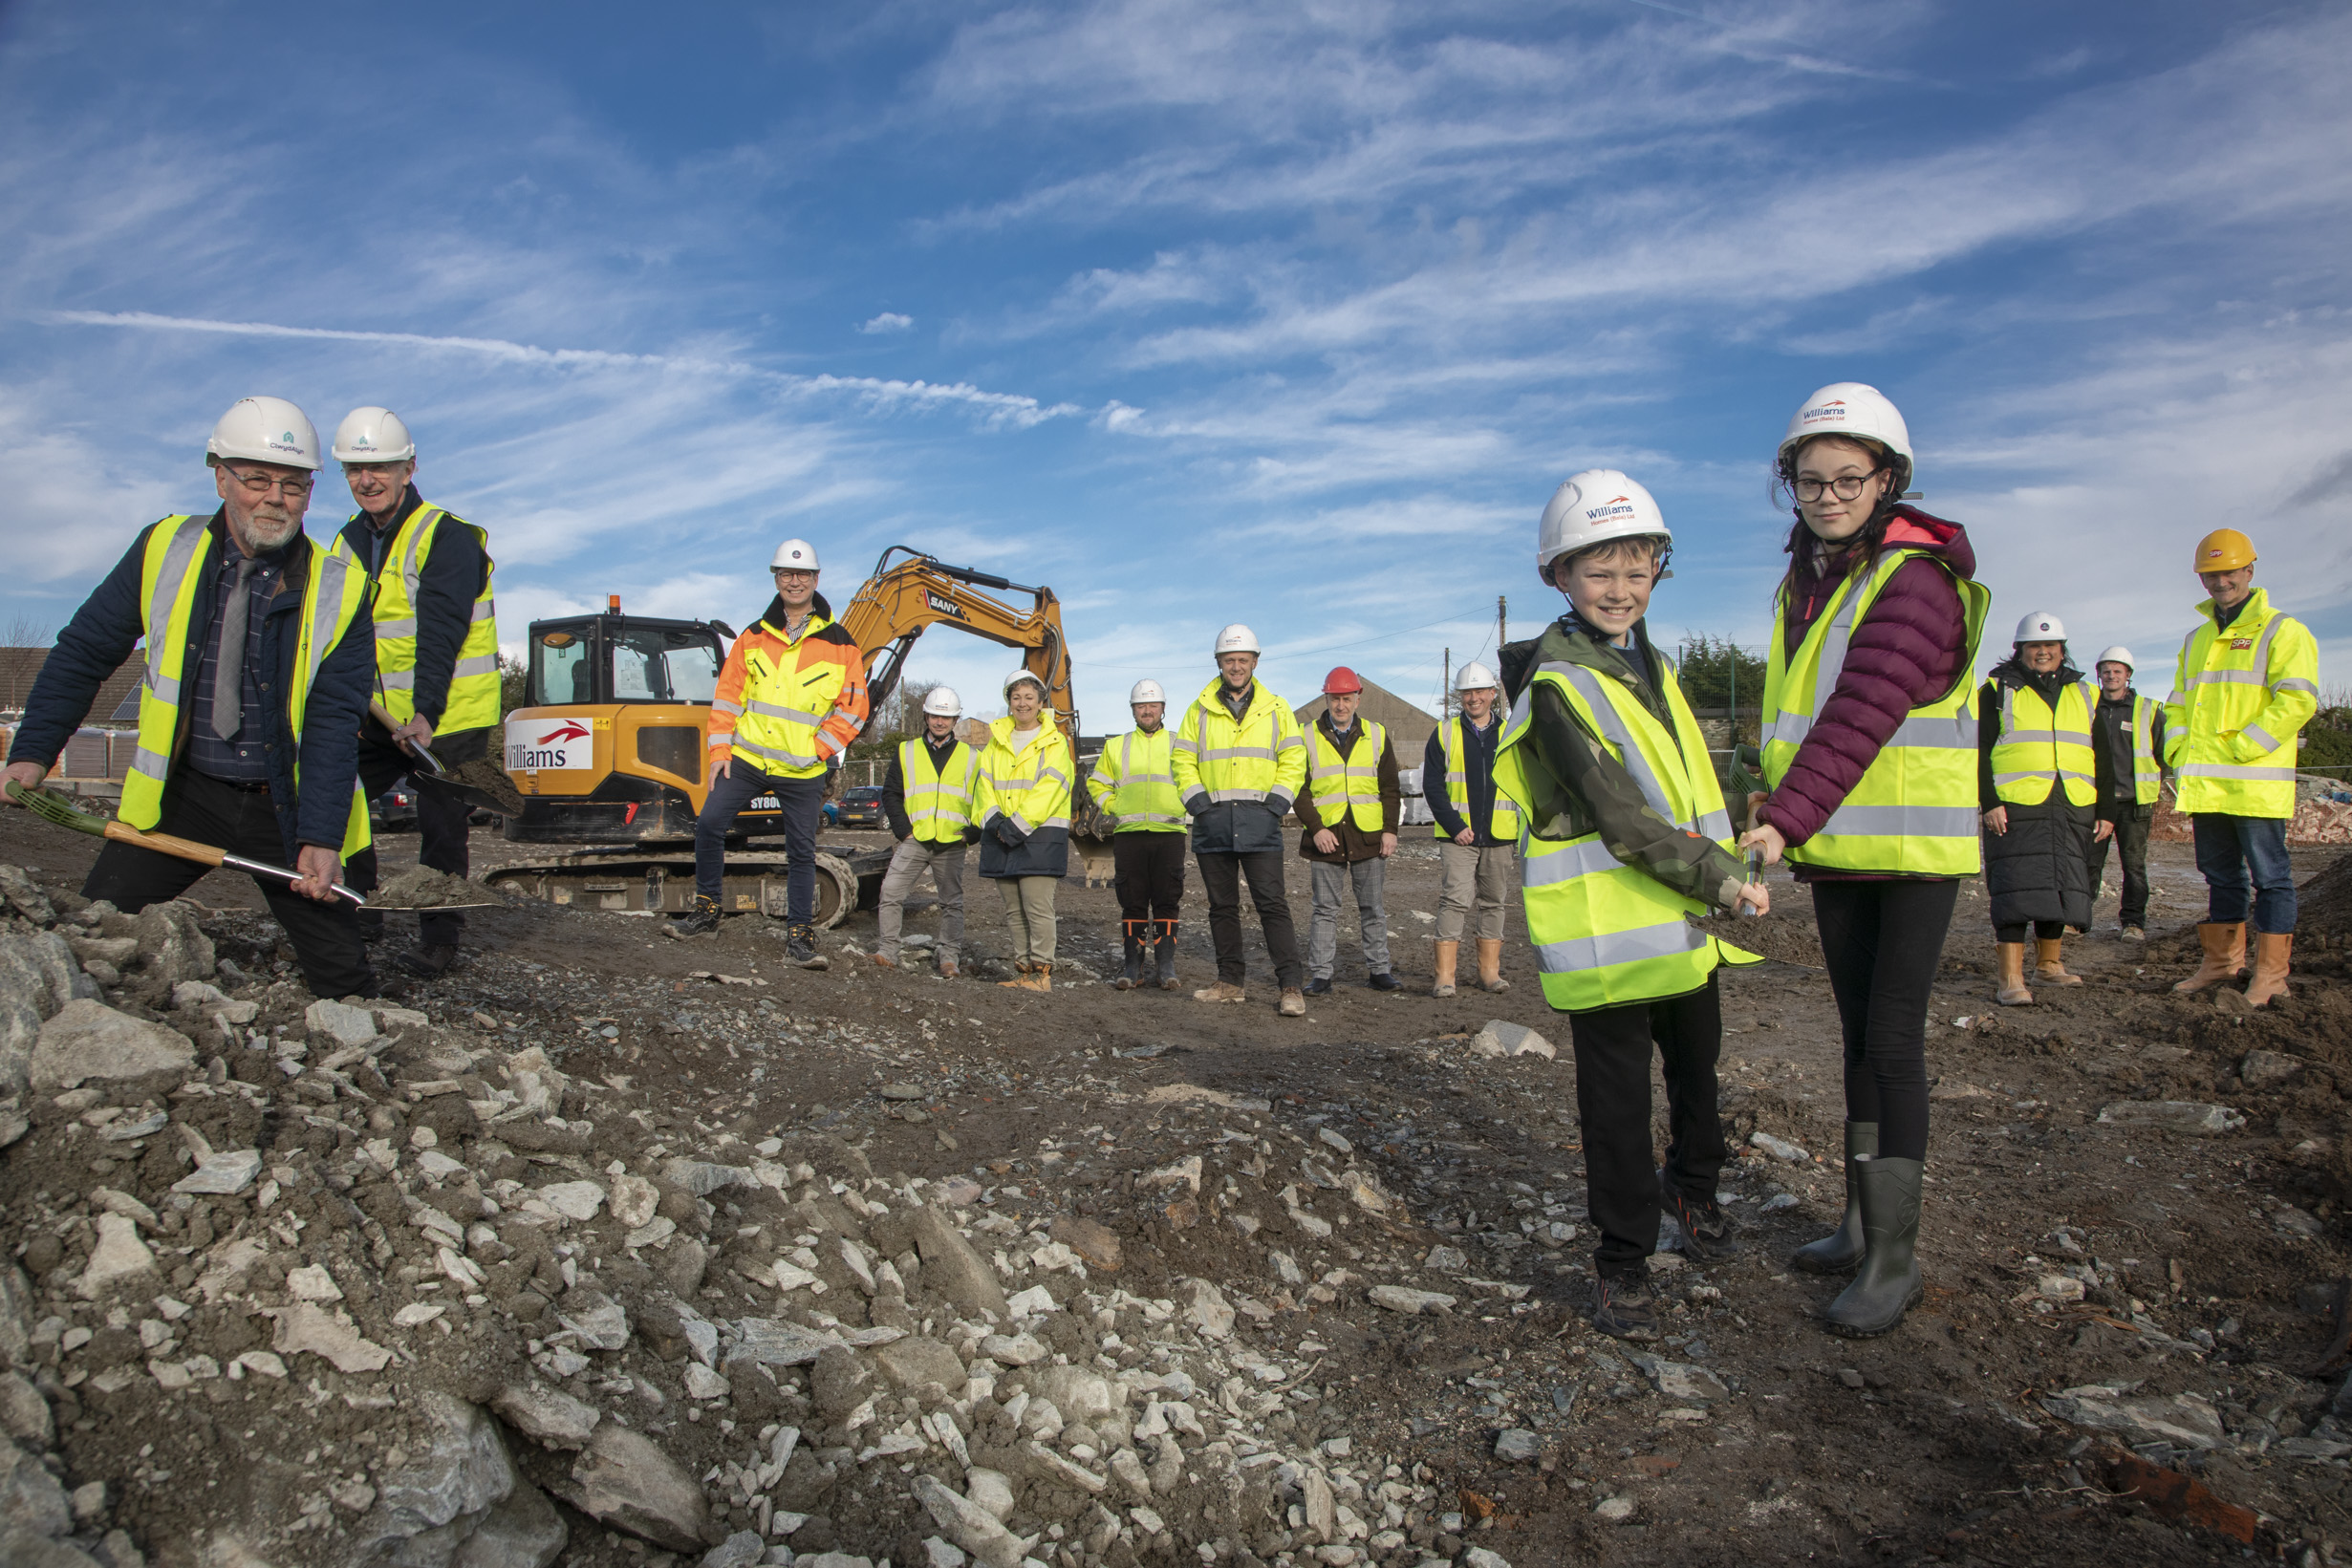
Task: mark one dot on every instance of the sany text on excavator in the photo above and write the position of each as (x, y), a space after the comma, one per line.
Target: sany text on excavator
(607, 747)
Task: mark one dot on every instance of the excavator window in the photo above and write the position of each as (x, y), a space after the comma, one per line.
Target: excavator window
(612, 658)
(562, 670)
(663, 664)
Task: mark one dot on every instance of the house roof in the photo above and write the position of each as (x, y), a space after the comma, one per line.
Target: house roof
(1409, 726)
(117, 700)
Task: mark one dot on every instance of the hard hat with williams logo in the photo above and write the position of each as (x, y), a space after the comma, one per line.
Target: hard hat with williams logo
(1594, 508)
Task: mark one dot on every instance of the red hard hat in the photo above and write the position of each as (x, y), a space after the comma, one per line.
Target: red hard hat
(1340, 681)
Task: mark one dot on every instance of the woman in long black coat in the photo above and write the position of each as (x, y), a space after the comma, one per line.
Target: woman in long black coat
(2036, 789)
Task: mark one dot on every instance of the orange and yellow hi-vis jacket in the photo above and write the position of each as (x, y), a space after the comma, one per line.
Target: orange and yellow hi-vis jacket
(789, 705)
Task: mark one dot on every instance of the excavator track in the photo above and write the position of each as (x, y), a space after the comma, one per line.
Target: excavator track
(636, 879)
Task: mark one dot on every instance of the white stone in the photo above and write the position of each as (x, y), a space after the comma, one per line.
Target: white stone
(1406, 1300)
(314, 1283)
(341, 1022)
(1209, 1311)
(417, 1314)
(440, 1166)
(1614, 1510)
(633, 1200)
(88, 1041)
(1032, 1301)
(992, 1490)
(576, 1200)
(1779, 1149)
(119, 1255)
(702, 1383)
(306, 1326)
(1501, 1037)
(223, 1173)
(1013, 1349)
(2188, 1116)
(263, 1362)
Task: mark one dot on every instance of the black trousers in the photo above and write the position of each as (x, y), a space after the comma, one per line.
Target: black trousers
(804, 803)
(325, 936)
(2132, 822)
(1612, 1106)
(1149, 877)
(1883, 942)
(443, 831)
(1221, 877)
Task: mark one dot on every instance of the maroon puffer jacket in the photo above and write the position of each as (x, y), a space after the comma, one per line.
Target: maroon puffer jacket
(1910, 650)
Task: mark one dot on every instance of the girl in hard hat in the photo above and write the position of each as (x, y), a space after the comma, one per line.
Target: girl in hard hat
(1020, 801)
(1628, 841)
(2037, 786)
(1870, 757)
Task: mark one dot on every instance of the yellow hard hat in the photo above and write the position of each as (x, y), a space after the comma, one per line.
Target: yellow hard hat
(2224, 550)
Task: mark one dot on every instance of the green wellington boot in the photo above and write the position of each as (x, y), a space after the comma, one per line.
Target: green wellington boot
(1887, 1284)
(1838, 1252)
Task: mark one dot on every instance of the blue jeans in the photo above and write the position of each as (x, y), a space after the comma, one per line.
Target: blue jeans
(2227, 846)
(803, 799)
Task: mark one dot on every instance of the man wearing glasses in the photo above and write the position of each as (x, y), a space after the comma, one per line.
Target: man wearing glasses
(259, 658)
(790, 699)
(436, 655)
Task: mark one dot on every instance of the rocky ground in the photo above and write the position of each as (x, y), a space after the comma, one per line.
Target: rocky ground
(610, 1249)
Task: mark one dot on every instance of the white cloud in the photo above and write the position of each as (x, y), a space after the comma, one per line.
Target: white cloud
(889, 321)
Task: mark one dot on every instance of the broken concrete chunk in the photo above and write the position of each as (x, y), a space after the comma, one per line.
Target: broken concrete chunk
(1210, 1311)
(307, 1327)
(2188, 1116)
(969, 1524)
(1779, 1149)
(952, 1268)
(633, 1201)
(1183, 1172)
(223, 1173)
(702, 1178)
(1013, 1349)
(88, 1041)
(919, 1359)
(1501, 1037)
(622, 1480)
(1406, 1300)
(314, 1283)
(120, 1256)
(576, 1200)
(601, 1321)
(772, 1342)
(547, 1415)
(340, 1021)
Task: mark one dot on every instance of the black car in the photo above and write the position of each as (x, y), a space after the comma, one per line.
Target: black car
(862, 807)
(395, 810)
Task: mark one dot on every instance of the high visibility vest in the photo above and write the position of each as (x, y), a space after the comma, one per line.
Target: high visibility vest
(1505, 820)
(1134, 781)
(2042, 745)
(939, 803)
(2147, 774)
(1258, 757)
(789, 691)
(1031, 787)
(1349, 785)
(1607, 933)
(1915, 809)
(169, 573)
(2239, 699)
(473, 685)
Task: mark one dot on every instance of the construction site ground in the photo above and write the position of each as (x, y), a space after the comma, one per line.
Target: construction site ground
(2125, 1352)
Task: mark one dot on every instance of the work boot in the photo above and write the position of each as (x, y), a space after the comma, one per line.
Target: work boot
(1886, 1285)
(2012, 992)
(947, 970)
(699, 920)
(1622, 1308)
(1132, 975)
(1222, 991)
(1040, 977)
(1165, 952)
(1706, 1228)
(1318, 987)
(1385, 981)
(800, 947)
(888, 960)
(1838, 1252)
(2133, 934)
(1490, 964)
(430, 962)
(1293, 1004)
(371, 923)
(1447, 953)
(2225, 955)
(2271, 952)
(2049, 968)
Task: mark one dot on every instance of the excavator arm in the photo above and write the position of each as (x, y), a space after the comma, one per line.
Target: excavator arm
(900, 602)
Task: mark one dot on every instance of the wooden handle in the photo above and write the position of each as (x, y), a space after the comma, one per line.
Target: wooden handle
(382, 714)
(204, 854)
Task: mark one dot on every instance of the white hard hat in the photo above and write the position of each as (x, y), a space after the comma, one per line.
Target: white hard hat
(1592, 509)
(1474, 677)
(1850, 408)
(2116, 654)
(264, 430)
(373, 435)
(1146, 691)
(1236, 638)
(943, 701)
(1021, 675)
(794, 555)
(2040, 627)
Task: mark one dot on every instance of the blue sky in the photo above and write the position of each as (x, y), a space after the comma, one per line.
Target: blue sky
(1285, 314)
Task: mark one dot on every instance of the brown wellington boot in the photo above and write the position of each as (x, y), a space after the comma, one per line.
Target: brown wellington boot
(2225, 956)
(2011, 982)
(2270, 966)
(1447, 954)
(1040, 977)
(2051, 969)
(1490, 964)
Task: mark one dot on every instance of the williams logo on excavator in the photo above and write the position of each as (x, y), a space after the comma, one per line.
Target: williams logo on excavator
(533, 745)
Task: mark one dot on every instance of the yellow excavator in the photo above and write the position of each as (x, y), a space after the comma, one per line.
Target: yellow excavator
(607, 746)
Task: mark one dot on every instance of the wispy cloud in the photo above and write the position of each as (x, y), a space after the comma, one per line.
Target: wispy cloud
(889, 321)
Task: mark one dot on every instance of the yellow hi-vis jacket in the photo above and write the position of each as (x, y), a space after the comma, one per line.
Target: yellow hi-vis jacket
(2147, 774)
(169, 572)
(1029, 787)
(1505, 823)
(939, 805)
(1261, 757)
(2239, 699)
(1134, 781)
(1349, 785)
(473, 685)
(1607, 933)
(1915, 809)
(2043, 745)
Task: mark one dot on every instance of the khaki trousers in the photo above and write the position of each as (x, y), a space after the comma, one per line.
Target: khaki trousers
(1028, 915)
(1482, 874)
(907, 864)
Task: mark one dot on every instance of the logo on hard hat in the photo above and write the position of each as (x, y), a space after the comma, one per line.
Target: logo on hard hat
(1613, 507)
(1833, 410)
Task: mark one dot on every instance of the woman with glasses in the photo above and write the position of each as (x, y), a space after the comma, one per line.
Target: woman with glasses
(1869, 754)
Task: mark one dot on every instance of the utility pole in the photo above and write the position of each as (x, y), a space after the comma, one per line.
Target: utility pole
(1445, 686)
(1502, 625)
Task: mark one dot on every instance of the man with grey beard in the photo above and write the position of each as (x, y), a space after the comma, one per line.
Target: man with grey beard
(259, 659)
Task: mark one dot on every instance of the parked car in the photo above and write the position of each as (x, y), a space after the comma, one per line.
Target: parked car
(395, 810)
(862, 808)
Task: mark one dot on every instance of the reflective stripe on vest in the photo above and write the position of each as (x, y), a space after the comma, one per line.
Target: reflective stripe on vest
(1141, 790)
(473, 701)
(2146, 773)
(1349, 785)
(1504, 823)
(1235, 760)
(1607, 933)
(939, 803)
(2042, 746)
(170, 569)
(1031, 788)
(1915, 809)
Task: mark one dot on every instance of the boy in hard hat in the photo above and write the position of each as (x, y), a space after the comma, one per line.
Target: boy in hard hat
(436, 655)
(927, 798)
(1240, 761)
(1133, 785)
(790, 699)
(2127, 744)
(259, 659)
(1477, 824)
(1628, 842)
(2036, 787)
(1350, 807)
(2248, 682)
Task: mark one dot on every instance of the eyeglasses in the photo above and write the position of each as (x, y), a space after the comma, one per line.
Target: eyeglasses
(258, 485)
(1847, 488)
(784, 575)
